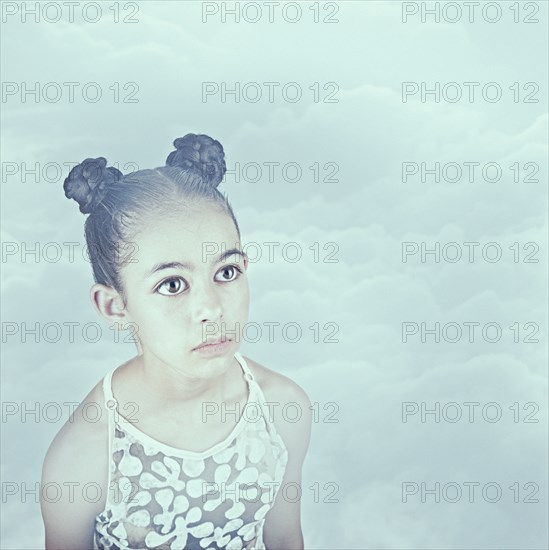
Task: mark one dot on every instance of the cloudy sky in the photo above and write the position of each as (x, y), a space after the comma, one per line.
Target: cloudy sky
(337, 155)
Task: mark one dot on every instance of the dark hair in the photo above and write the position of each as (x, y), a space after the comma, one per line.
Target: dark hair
(118, 205)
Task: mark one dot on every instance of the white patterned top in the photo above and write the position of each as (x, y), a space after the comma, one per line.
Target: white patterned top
(166, 498)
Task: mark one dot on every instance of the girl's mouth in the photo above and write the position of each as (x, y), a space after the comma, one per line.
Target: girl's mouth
(215, 347)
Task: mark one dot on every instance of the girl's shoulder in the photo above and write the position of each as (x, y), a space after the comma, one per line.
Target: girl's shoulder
(289, 408)
(77, 457)
(269, 379)
(85, 429)
(278, 388)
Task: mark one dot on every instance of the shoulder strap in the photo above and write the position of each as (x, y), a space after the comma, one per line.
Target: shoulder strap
(257, 393)
(110, 402)
(247, 372)
(111, 405)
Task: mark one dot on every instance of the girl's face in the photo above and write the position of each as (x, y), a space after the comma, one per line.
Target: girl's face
(181, 289)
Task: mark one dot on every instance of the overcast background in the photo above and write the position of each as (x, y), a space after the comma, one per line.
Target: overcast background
(360, 203)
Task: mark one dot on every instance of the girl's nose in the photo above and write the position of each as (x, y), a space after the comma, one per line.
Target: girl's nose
(209, 308)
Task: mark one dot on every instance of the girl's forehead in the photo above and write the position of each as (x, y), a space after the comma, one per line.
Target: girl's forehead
(185, 235)
(187, 222)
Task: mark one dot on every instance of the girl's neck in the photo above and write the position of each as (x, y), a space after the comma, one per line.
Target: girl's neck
(171, 386)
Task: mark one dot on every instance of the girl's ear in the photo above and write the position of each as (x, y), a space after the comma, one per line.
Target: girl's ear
(109, 304)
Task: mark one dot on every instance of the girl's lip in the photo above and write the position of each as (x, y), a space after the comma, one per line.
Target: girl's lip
(220, 345)
(212, 343)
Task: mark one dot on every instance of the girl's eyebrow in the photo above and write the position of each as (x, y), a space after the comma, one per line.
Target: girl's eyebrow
(189, 266)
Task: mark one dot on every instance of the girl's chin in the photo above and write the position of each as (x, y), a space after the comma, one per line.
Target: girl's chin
(224, 350)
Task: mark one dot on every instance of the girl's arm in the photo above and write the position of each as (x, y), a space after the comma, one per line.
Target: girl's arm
(76, 459)
(282, 529)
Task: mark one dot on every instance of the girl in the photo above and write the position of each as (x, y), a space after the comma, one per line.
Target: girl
(191, 450)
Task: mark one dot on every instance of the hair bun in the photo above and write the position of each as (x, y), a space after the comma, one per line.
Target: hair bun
(201, 152)
(88, 183)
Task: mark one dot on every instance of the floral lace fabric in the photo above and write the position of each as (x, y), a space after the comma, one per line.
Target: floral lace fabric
(165, 498)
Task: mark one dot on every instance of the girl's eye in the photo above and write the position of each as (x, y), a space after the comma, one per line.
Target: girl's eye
(172, 285)
(230, 268)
